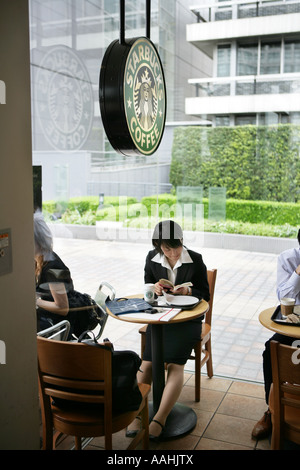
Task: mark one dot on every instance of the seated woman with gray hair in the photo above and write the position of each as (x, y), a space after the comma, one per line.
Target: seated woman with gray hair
(53, 279)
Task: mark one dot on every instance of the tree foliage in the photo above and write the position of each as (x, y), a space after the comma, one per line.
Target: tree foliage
(252, 162)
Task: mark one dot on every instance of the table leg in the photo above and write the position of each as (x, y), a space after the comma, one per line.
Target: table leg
(158, 369)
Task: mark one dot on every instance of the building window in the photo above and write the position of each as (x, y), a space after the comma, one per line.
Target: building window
(270, 58)
(292, 57)
(224, 61)
(223, 121)
(247, 59)
(245, 120)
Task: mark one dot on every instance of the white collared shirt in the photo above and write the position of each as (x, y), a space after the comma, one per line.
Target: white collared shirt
(172, 272)
(288, 281)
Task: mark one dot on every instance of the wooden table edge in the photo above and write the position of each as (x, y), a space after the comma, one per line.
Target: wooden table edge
(265, 320)
(184, 315)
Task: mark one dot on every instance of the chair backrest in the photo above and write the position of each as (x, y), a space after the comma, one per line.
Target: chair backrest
(285, 373)
(104, 290)
(286, 392)
(59, 332)
(211, 277)
(76, 372)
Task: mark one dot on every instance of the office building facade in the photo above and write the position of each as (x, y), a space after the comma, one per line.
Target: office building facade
(255, 48)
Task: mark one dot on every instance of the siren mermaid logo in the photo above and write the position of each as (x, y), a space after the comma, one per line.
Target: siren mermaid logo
(144, 96)
(64, 98)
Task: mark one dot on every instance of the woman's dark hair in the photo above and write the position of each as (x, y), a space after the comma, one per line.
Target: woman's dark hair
(169, 233)
(298, 236)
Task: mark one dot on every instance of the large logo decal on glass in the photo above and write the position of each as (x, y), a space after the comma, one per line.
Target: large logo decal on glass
(64, 99)
(144, 96)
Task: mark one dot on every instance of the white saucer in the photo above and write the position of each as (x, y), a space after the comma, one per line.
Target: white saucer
(181, 300)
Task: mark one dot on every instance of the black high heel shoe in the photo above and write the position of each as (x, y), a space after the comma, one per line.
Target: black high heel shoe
(132, 432)
(156, 438)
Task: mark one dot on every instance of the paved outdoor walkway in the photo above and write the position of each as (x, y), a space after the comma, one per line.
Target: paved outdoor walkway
(245, 285)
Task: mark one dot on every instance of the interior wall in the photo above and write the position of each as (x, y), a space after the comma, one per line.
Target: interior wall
(19, 413)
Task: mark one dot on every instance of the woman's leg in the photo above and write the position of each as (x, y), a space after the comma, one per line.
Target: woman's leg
(172, 390)
(144, 376)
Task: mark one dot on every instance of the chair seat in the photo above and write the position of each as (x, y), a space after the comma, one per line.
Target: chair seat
(89, 417)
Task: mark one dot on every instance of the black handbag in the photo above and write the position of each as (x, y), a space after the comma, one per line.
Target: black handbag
(85, 319)
(126, 395)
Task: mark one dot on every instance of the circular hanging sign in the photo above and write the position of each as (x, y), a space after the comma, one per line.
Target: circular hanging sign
(132, 96)
(64, 99)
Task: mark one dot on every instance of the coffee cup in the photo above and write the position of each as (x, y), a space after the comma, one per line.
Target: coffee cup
(149, 293)
(287, 305)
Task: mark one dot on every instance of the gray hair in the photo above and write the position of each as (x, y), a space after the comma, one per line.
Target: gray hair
(42, 236)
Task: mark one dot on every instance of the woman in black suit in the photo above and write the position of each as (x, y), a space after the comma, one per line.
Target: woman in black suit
(171, 260)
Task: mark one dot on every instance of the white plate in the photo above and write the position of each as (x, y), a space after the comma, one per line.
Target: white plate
(182, 300)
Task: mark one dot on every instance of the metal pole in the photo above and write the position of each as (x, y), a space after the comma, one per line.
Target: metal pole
(122, 22)
(148, 18)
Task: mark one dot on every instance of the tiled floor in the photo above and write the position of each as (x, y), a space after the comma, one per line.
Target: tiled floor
(233, 400)
(226, 414)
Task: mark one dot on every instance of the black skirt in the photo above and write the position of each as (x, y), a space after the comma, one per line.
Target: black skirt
(178, 341)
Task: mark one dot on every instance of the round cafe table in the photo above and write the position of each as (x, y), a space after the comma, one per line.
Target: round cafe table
(182, 419)
(265, 320)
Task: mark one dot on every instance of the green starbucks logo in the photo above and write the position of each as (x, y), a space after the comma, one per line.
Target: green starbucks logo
(144, 96)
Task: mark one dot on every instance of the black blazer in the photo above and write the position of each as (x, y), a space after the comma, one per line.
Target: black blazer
(194, 272)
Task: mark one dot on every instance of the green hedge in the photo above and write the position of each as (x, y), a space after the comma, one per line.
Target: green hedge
(83, 204)
(253, 163)
(85, 210)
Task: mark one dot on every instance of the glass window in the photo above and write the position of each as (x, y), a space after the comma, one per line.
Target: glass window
(222, 121)
(292, 57)
(223, 61)
(245, 120)
(270, 58)
(247, 59)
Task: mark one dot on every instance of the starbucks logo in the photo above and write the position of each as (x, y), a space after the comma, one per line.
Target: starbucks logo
(144, 96)
(64, 99)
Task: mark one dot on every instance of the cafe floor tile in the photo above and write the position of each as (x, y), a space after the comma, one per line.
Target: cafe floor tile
(226, 414)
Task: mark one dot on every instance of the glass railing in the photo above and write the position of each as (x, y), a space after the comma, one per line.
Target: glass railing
(219, 11)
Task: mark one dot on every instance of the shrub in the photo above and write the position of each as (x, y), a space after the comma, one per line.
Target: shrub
(251, 162)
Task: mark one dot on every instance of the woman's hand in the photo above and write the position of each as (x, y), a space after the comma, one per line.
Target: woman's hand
(181, 291)
(158, 289)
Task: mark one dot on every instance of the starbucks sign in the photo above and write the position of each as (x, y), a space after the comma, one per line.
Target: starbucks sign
(144, 96)
(132, 96)
(64, 99)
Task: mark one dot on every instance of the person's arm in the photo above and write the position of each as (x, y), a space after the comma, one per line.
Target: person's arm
(199, 280)
(288, 279)
(149, 276)
(60, 303)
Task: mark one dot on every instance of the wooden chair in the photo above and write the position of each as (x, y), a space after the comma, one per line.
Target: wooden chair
(284, 398)
(79, 372)
(203, 345)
